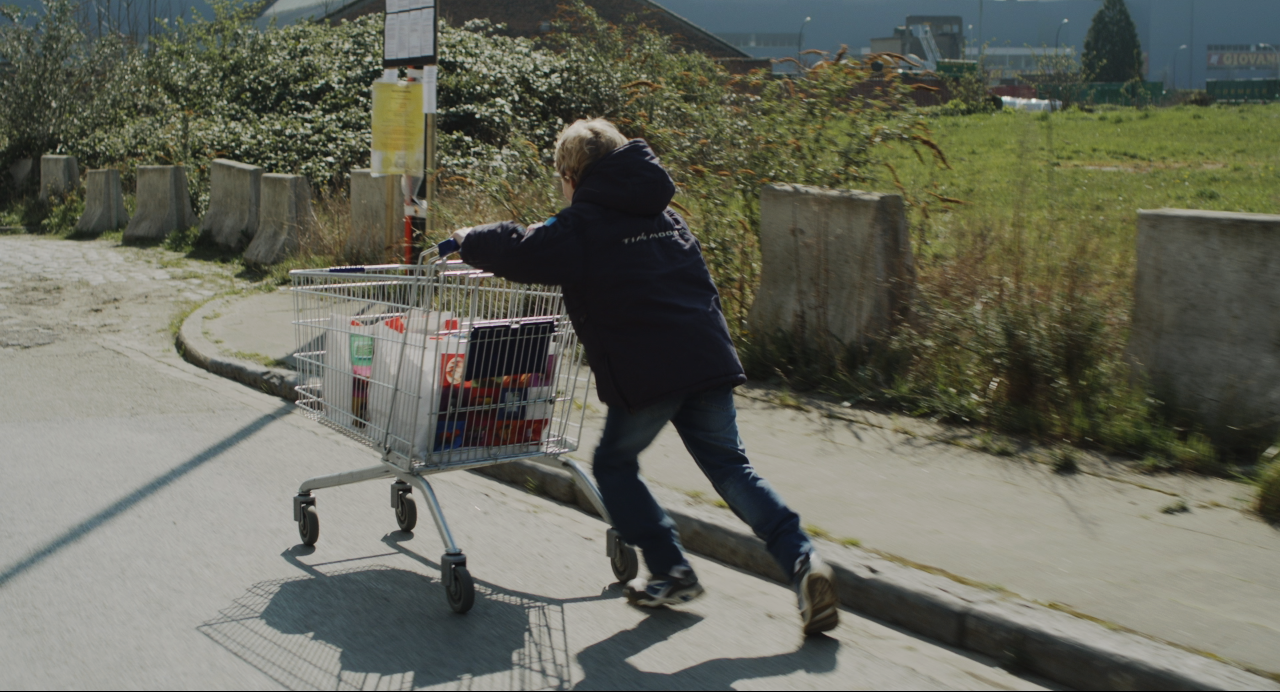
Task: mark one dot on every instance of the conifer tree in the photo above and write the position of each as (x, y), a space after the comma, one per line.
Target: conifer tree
(1111, 49)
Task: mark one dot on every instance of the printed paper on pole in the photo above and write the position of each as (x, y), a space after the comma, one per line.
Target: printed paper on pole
(397, 129)
(429, 89)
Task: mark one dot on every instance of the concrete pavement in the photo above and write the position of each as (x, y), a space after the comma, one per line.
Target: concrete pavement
(1097, 542)
(146, 538)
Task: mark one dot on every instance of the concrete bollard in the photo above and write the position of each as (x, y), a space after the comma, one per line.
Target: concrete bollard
(58, 176)
(234, 190)
(103, 203)
(377, 218)
(162, 203)
(1206, 322)
(284, 215)
(837, 267)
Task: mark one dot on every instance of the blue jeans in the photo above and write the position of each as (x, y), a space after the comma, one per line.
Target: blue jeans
(708, 425)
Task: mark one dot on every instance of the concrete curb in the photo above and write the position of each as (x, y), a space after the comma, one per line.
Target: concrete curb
(1018, 633)
(196, 349)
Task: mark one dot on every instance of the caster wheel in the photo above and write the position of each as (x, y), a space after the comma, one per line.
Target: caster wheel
(624, 562)
(462, 591)
(406, 513)
(309, 525)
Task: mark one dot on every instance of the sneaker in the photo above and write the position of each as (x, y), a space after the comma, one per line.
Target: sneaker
(816, 585)
(679, 586)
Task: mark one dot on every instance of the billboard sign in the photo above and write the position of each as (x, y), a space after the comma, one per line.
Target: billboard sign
(409, 33)
(1242, 58)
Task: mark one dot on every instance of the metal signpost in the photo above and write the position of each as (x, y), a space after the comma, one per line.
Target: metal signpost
(409, 41)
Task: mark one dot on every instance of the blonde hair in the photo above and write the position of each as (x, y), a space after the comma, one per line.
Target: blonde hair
(583, 143)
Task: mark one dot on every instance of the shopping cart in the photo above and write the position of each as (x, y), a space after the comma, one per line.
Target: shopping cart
(440, 367)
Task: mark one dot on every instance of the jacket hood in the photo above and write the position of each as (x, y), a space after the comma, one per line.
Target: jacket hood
(629, 180)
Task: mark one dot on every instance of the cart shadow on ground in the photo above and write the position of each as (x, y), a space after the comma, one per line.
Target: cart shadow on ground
(381, 627)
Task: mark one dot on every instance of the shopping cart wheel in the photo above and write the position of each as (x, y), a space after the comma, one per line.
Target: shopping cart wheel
(460, 590)
(309, 525)
(406, 512)
(624, 563)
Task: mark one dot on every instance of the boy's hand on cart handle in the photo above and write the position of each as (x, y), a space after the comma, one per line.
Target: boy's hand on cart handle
(453, 243)
(460, 234)
(447, 247)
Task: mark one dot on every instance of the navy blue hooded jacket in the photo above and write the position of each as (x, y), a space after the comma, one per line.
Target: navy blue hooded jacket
(635, 285)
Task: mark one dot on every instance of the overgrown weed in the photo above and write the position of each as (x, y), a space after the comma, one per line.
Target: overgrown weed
(327, 235)
(61, 212)
(182, 240)
(255, 357)
(1268, 481)
(23, 213)
(55, 215)
(1064, 461)
(1018, 324)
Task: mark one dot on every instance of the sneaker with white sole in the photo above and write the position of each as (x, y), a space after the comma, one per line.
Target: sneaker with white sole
(678, 587)
(816, 586)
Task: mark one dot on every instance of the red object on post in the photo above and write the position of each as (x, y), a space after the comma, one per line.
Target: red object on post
(408, 239)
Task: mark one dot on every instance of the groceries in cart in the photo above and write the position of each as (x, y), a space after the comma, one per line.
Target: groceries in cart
(434, 382)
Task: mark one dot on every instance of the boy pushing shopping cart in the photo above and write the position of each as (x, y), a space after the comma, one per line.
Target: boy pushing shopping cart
(642, 302)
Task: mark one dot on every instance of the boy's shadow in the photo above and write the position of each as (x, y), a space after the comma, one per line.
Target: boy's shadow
(605, 665)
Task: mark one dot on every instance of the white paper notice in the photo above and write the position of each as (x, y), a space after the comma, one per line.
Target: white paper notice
(403, 36)
(428, 32)
(429, 89)
(405, 20)
(415, 33)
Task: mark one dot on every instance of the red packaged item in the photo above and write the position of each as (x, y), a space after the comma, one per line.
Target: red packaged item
(516, 432)
(452, 367)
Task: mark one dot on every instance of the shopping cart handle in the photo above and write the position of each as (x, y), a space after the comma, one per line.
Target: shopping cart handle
(448, 247)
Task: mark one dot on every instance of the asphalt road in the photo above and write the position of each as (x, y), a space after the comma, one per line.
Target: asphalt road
(147, 541)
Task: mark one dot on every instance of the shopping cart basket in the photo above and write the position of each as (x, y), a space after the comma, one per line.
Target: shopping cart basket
(440, 367)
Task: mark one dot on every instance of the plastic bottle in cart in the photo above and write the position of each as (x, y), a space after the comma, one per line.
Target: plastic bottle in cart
(361, 369)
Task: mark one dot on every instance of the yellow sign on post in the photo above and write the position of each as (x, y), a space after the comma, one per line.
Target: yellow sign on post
(397, 128)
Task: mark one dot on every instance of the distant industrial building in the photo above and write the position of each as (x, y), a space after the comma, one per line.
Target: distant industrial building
(1248, 61)
(948, 33)
(1005, 63)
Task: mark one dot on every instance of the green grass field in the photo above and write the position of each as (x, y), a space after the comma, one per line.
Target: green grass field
(1055, 180)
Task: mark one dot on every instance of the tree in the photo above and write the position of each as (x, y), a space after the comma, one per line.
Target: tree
(52, 90)
(1111, 49)
(1058, 76)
